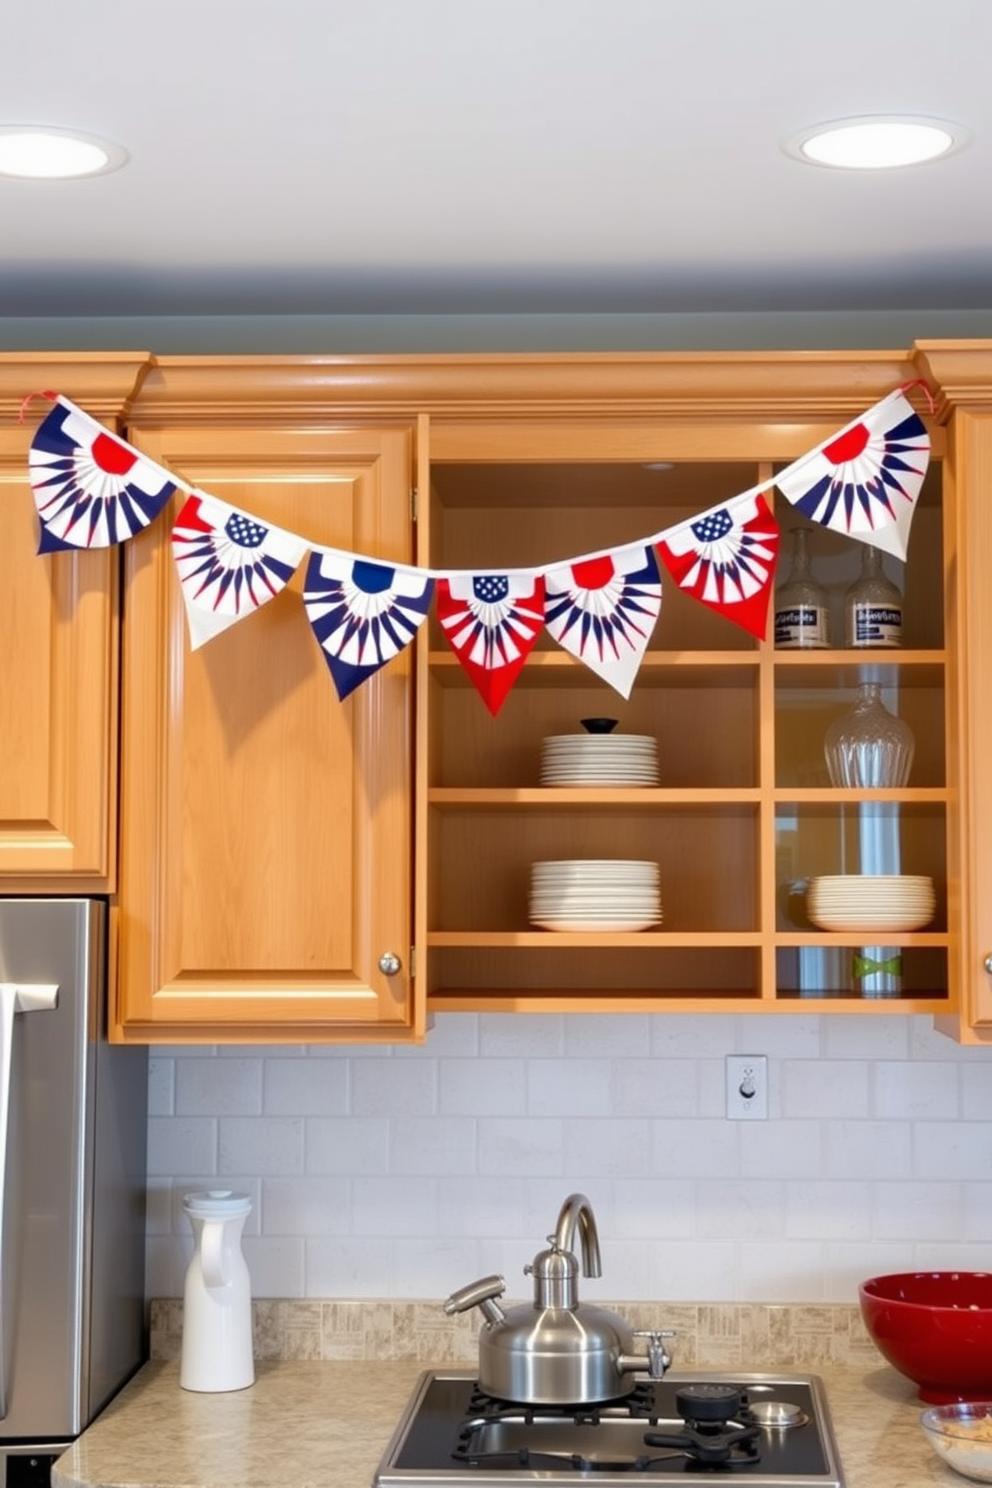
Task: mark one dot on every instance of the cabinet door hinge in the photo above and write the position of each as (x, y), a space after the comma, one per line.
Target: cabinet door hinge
(413, 503)
(413, 963)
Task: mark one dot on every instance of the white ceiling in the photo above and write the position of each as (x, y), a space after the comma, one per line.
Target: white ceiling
(321, 157)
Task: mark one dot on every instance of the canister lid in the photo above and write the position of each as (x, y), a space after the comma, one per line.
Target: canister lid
(217, 1203)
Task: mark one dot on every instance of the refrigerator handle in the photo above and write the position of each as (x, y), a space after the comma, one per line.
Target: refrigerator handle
(14, 998)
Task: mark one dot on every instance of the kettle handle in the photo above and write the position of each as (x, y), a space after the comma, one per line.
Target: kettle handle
(212, 1253)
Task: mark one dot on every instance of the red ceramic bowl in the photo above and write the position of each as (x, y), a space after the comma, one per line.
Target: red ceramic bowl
(935, 1327)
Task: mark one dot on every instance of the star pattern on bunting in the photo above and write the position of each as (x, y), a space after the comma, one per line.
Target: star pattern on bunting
(491, 622)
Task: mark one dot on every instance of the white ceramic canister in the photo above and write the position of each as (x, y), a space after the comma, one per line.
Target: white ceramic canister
(217, 1342)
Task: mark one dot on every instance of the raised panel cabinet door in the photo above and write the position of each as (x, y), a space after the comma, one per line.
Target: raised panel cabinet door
(265, 824)
(59, 647)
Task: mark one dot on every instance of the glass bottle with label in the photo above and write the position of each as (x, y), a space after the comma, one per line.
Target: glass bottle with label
(802, 611)
(872, 605)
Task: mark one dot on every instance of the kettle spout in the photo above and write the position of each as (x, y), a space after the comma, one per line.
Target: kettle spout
(576, 1214)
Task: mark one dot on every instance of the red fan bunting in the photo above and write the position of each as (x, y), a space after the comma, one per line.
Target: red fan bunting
(491, 622)
(726, 559)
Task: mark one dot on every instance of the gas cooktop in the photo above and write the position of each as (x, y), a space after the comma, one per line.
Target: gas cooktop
(769, 1430)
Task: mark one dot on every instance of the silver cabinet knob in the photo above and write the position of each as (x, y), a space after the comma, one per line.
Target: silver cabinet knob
(988, 963)
(390, 963)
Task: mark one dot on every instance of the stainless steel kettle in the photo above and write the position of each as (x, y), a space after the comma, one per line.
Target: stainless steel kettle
(558, 1351)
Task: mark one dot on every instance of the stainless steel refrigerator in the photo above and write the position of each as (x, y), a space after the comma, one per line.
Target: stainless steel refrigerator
(73, 1120)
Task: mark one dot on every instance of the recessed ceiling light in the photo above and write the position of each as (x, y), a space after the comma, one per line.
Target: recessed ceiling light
(34, 152)
(876, 143)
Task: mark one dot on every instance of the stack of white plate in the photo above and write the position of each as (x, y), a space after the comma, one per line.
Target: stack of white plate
(599, 759)
(874, 902)
(595, 894)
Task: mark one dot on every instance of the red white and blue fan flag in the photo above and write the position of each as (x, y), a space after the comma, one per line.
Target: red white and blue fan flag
(363, 613)
(726, 559)
(229, 564)
(603, 609)
(91, 489)
(492, 622)
(864, 481)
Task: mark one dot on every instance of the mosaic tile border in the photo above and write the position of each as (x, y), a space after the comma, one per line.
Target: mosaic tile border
(710, 1335)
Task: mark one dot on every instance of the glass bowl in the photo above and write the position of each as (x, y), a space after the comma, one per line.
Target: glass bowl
(961, 1435)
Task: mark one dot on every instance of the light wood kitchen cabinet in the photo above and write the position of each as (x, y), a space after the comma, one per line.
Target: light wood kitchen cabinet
(265, 825)
(58, 650)
(276, 842)
(744, 814)
(962, 372)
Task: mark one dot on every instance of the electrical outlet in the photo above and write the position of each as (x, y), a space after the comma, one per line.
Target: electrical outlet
(747, 1087)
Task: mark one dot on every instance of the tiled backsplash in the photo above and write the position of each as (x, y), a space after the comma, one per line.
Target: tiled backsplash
(706, 1337)
(403, 1173)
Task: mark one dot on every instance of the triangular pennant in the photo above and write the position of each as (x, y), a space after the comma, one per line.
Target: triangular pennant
(91, 489)
(492, 622)
(362, 613)
(865, 481)
(726, 559)
(603, 610)
(229, 564)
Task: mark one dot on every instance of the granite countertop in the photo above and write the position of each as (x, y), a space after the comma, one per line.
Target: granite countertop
(326, 1425)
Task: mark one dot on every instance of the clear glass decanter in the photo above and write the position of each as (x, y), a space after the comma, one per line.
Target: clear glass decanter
(872, 605)
(802, 611)
(868, 746)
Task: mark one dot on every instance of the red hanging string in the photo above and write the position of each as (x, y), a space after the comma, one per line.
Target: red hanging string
(919, 382)
(48, 393)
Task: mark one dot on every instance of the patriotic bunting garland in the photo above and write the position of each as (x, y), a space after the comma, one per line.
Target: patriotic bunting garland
(603, 610)
(228, 564)
(92, 489)
(865, 480)
(492, 622)
(362, 613)
(726, 559)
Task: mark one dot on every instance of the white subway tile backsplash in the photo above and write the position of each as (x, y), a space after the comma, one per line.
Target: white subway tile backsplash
(868, 1149)
(953, 1149)
(348, 1267)
(780, 1149)
(823, 1088)
(482, 1087)
(437, 1146)
(821, 1210)
(655, 1208)
(656, 1087)
(918, 1211)
(906, 1090)
(307, 1087)
(617, 1148)
(179, 1144)
(792, 1271)
(569, 1087)
(395, 1087)
(530, 1148)
(381, 1172)
(615, 1038)
(268, 1144)
(394, 1206)
(219, 1087)
(306, 1206)
(276, 1266)
(530, 1037)
(346, 1144)
(683, 1148)
(487, 1208)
